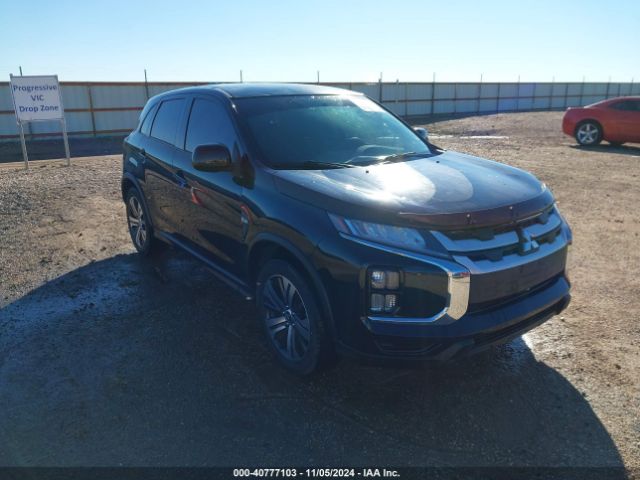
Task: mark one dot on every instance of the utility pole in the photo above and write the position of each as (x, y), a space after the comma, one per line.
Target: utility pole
(20, 67)
(241, 80)
(318, 76)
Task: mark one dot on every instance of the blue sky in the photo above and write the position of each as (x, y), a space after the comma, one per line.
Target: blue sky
(345, 40)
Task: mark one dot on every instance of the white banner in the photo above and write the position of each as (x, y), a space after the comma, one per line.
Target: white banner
(37, 98)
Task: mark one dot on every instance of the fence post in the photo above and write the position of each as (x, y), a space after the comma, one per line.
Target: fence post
(406, 99)
(479, 94)
(433, 94)
(146, 84)
(581, 91)
(93, 118)
(498, 98)
(566, 95)
(455, 98)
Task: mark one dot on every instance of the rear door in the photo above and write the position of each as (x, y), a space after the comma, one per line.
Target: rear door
(159, 152)
(209, 202)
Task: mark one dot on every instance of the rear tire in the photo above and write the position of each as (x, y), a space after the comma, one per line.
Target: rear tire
(291, 321)
(140, 228)
(588, 133)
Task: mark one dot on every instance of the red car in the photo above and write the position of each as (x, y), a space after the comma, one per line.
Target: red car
(616, 120)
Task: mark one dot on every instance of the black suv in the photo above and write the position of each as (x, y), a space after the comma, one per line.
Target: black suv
(352, 231)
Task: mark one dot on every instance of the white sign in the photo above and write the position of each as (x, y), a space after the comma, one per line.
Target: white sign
(37, 98)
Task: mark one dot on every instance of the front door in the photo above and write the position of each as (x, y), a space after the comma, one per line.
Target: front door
(210, 201)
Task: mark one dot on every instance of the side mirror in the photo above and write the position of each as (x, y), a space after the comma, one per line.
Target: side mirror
(422, 133)
(211, 158)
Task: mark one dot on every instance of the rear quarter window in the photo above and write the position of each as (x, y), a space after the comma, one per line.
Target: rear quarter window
(166, 120)
(148, 120)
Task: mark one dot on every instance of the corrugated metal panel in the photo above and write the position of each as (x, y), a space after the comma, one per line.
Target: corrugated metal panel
(443, 106)
(392, 92)
(507, 104)
(596, 88)
(574, 89)
(526, 89)
(127, 119)
(8, 125)
(75, 96)
(488, 105)
(508, 90)
(559, 89)
(45, 127)
(544, 102)
(525, 103)
(466, 106)
(419, 91)
(467, 90)
(418, 108)
(5, 98)
(543, 89)
(445, 91)
(78, 121)
(489, 90)
(574, 102)
(115, 96)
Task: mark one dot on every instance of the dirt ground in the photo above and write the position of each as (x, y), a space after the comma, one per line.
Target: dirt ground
(109, 359)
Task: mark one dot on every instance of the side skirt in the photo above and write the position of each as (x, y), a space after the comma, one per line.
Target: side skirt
(228, 278)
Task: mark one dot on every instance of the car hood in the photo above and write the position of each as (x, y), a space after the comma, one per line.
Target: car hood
(447, 188)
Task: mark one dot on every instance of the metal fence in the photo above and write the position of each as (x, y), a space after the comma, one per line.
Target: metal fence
(112, 108)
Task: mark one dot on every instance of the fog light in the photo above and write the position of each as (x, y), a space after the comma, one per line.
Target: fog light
(390, 302)
(393, 280)
(377, 302)
(378, 279)
(385, 279)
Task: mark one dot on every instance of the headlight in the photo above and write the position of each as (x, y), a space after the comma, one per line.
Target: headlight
(402, 237)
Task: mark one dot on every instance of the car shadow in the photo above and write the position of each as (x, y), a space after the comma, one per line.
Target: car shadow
(607, 148)
(128, 361)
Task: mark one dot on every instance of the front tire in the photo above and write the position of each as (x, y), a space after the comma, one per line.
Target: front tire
(588, 133)
(291, 319)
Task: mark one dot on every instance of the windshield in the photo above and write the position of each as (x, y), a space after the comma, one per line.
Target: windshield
(325, 131)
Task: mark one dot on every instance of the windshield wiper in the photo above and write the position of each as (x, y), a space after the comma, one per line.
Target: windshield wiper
(312, 165)
(397, 157)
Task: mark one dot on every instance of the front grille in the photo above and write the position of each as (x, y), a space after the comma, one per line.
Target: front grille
(494, 244)
(509, 260)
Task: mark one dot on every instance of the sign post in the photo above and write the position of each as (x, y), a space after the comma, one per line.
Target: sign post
(38, 99)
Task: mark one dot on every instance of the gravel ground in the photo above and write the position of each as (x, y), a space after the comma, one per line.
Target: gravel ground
(108, 359)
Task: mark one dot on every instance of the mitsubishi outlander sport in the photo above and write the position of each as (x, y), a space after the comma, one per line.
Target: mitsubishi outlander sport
(353, 233)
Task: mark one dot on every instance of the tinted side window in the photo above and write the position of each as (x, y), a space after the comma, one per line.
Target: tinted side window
(209, 123)
(624, 105)
(167, 119)
(146, 124)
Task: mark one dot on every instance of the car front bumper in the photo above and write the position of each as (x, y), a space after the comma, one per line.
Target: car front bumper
(470, 334)
(483, 302)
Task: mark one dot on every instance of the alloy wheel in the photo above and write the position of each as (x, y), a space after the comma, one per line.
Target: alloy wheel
(587, 134)
(287, 320)
(137, 223)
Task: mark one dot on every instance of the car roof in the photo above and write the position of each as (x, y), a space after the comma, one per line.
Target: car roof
(245, 90)
(607, 101)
